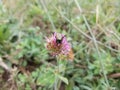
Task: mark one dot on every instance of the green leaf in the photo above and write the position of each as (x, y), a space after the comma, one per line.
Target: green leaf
(85, 87)
(65, 80)
(76, 88)
(4, 33)
(28, 87)
(22, 78)
(46, 78)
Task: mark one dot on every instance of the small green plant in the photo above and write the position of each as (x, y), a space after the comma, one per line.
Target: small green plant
(32, 47)
(108, 63)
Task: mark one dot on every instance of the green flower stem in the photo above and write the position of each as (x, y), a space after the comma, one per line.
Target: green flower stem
(56, 78)
(58, 81)
(56, 84)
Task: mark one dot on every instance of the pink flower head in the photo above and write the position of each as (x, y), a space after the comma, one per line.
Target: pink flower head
(57, 44)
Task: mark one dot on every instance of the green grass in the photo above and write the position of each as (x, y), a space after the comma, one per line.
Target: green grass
(91, 26)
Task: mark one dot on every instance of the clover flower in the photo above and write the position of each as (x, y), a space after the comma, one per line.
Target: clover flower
(58, 45)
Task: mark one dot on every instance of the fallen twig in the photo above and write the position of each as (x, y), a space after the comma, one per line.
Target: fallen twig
(114, 75)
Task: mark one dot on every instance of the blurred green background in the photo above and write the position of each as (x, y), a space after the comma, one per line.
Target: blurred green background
(91, 26)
